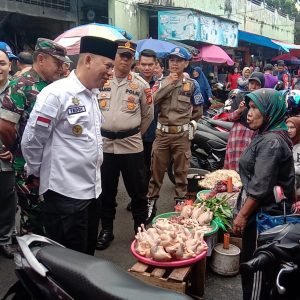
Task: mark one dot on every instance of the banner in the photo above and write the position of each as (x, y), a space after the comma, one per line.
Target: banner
(194, 26)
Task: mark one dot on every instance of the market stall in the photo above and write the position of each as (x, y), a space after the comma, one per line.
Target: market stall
(185, 237)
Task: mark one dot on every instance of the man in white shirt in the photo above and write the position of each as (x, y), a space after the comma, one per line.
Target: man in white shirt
(62, 145)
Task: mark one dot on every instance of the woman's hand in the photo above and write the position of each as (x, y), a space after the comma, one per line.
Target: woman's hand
(242, 107)
(239, 224)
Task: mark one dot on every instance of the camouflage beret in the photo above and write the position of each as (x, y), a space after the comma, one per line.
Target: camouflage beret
(52, 48)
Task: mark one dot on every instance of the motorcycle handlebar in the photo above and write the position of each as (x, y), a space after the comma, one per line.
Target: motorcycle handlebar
(286, 269)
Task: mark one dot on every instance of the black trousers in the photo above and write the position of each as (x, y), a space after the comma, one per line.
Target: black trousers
(249, 245)
(132, 167)
(8, 203)
(147, 157)
(71, 222)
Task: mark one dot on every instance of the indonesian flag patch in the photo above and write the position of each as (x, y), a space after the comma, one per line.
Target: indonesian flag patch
(42, 121)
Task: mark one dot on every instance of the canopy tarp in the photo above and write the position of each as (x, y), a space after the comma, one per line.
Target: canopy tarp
(260, 40)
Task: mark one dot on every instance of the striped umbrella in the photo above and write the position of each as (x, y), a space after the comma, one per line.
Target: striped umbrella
(70, 39)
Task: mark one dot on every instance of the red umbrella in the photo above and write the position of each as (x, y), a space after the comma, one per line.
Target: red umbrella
(213, 54)
(287, 58)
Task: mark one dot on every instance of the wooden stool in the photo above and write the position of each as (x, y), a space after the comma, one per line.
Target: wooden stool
(187, 280)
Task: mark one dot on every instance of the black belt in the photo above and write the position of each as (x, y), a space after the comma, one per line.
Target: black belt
(120, 134)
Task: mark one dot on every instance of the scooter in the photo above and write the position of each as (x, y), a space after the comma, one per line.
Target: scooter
(276, 261)
(208, 147)
(49, 271)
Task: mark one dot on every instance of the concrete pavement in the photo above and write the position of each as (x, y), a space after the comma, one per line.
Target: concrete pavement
(217, 287)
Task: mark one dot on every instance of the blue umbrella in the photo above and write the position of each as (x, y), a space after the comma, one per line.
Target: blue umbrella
(162, 48)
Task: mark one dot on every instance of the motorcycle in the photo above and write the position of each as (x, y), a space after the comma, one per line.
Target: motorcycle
(208, 147)
(219, 91)
(276, 261)
(48, 270)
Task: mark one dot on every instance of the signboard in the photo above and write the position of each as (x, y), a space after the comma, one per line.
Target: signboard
(190, 25)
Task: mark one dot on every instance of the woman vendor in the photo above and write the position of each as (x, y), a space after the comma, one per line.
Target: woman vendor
(265, 163)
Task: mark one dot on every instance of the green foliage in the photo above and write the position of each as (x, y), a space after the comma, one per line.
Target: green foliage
(221, 210)
(288, 7)
(285, 6)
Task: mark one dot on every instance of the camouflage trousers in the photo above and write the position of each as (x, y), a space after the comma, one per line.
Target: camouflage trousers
(30, 204)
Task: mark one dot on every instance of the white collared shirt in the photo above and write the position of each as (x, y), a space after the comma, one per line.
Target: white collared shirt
(62, 141)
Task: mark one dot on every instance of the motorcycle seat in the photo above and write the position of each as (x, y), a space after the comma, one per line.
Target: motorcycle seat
(224, 124)
(222, 135)
(89, 277)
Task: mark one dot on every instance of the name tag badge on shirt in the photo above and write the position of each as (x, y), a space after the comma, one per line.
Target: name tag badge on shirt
(77, 130)
(72, 110)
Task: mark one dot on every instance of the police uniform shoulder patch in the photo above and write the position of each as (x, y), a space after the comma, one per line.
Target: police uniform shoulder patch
(141, 79)
(148, 93)
(129, 77)
(186, 86)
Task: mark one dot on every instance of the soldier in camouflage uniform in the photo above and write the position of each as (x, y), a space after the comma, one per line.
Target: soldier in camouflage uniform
(18, 102)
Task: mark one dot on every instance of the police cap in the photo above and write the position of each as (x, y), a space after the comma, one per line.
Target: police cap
(4, 47)
(180, 52)
(126, 46)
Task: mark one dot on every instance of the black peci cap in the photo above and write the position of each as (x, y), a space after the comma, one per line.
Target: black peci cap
(98, 46)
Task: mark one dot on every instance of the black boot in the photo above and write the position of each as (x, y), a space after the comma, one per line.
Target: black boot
(104, 239)
(152, 209)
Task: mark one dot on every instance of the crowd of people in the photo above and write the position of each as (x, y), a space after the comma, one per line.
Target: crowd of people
(67, 136)
(273, 74)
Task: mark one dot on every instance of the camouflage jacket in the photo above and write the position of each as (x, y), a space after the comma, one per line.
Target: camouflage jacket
(17, 105)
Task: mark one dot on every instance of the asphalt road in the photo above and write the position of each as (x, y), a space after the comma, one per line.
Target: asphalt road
(217, 287)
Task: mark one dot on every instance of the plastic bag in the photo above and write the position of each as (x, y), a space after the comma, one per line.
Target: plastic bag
(265, 221)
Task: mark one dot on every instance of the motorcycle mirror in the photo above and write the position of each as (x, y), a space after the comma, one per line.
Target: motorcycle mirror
(279, 194)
